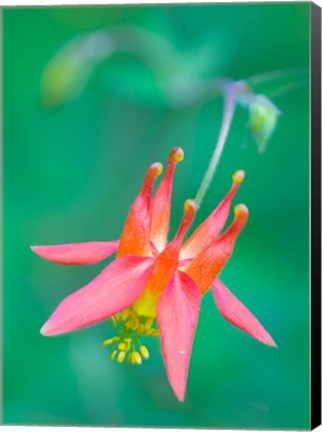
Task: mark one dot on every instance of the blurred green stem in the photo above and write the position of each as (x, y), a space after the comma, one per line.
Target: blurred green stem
(238, 92)
(231, 89)
(275, 75)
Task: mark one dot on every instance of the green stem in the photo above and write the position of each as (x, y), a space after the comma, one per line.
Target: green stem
(273, 75)
(230, 91)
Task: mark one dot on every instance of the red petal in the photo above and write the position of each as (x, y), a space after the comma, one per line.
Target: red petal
(177, 316)
(77, 253)
(162, 202)
(166, 263)
(207, 265)
(135, 239)
(206, 233)
(238, 315)
(117, 287)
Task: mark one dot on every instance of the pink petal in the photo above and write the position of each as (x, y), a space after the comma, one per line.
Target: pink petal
(135, 238)
(208, 231)
(161, 205)
(117, 287)
(77, 253)
(209, 263)
(177, 316)
(238, 315)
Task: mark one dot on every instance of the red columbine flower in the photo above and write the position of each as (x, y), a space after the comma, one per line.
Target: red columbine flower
(154, 281)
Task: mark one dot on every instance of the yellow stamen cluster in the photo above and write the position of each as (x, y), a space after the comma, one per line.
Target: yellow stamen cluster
(130, 327)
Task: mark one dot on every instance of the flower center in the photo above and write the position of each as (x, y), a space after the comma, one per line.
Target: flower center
(130, 327)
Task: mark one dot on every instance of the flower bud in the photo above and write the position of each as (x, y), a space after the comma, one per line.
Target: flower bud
(262, 120)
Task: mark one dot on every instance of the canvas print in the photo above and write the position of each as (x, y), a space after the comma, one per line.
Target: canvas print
(156, 216)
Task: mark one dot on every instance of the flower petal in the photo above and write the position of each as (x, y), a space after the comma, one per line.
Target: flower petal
(208, 264)
(77, 253)
(166, 263)
(162, 202)
(206, 233)
(238, 315)
(177, 316)
(135, 239)
(114, 289)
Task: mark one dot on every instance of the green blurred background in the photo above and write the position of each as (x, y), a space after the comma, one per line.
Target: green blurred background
(72, 170)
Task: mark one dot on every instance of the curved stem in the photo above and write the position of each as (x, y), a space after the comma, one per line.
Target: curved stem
(269, 76)
(229, 107)
(231, 90)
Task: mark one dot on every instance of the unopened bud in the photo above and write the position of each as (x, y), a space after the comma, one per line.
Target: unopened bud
(262, 120)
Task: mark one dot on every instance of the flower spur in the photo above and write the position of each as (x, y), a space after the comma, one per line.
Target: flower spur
(153, 282)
